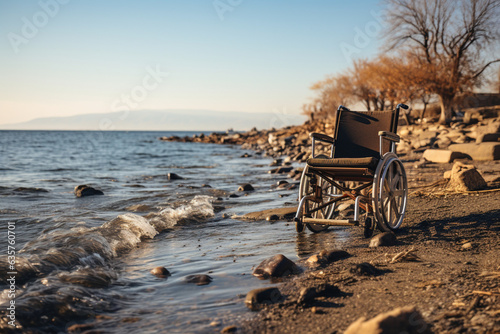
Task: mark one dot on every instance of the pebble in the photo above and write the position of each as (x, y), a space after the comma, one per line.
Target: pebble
(198, 279)
(467, 246)
(383, 239)
(365, 269)
(160, 272)
(229, 329)
(246, 187)
(173, 176)
(257, 298)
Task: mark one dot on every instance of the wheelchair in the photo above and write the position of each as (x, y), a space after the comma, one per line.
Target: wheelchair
(361, 181)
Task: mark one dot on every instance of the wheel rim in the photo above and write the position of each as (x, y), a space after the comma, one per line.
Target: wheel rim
(306, 189)
(390, 194)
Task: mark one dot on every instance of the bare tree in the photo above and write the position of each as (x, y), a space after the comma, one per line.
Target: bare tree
(450, 41)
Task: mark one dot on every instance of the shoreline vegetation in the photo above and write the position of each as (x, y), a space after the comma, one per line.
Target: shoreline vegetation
(440, 273)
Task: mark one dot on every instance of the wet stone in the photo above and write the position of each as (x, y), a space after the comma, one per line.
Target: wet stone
(173, 176)
(272, 218)
(276, 266)
(258, 298)
(160, 272)
(198, 279)
(246, 187)
(84, 190)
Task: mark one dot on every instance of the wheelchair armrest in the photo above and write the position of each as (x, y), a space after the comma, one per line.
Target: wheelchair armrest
(322, 137)
(389, 136)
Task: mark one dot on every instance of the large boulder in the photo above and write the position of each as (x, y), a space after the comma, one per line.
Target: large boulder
(486, 151)
(465, 178)
(401, 320)
(442, 156)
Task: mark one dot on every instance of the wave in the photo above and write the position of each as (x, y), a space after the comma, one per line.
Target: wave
(62, 264)
(21, 190)
(94, 247)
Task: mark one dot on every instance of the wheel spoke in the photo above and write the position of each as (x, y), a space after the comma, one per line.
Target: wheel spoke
(395, 207)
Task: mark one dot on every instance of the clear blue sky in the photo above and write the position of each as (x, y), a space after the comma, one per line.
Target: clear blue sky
(67, 57)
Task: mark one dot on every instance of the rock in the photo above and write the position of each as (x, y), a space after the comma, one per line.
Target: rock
(306, 295)
(365, 269)
(257, 298)
(198, 279)
(272, 218)
(233, 196)
(246, 187)
(160, 272)
(276, 163)
(328, 290)
(282, 213)
(487, 151)
(281, 170)
(442, 156)
(314, 260)
(334, 255)
(327, 256)
(467, 246)
(246, 155)
(229, 329)
(173, 176)
(465, 178)
(276, 266)
(84, 190)
(488, 137)
(400, 320)
(383, 239)
(281, 182)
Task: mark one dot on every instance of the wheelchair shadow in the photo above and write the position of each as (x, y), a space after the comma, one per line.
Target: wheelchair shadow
(476, 225)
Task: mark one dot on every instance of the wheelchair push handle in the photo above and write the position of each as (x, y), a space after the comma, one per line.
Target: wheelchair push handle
(401, 105)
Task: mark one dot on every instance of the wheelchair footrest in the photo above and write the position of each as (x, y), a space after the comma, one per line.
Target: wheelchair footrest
(331, 222)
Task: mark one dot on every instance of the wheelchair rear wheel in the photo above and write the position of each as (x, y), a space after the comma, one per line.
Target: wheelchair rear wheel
(306, 188)
(390, 191)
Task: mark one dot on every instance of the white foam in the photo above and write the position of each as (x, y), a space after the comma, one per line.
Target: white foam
(198, 209)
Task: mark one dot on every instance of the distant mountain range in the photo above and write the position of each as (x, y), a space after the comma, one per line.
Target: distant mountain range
(177, 120)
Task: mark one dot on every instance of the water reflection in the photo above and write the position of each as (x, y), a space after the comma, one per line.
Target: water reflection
(310, 243)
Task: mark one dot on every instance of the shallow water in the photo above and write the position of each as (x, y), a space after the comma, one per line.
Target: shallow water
(87, 260)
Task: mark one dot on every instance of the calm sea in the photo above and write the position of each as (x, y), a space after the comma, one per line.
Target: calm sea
(88, 260)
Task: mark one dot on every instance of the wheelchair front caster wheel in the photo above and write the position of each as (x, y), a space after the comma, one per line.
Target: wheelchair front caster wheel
(299, 226)
(369, 226)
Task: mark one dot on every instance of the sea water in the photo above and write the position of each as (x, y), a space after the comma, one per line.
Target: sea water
(87, 261)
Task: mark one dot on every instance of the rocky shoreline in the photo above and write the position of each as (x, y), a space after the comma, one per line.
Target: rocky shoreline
(441, 271)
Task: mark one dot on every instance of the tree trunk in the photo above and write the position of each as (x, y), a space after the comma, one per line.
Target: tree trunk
(446, 113)
(423, 111)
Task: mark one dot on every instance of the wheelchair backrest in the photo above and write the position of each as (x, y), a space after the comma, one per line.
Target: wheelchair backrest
(356, 132)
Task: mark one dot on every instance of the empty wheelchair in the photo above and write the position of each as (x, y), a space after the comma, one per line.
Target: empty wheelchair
(360, 181)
